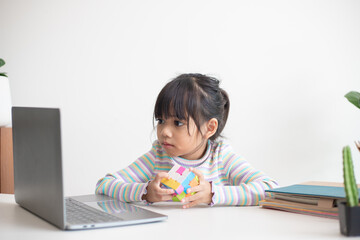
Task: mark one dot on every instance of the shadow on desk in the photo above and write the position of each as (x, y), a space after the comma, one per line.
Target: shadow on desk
(22, 218)
(177, 205)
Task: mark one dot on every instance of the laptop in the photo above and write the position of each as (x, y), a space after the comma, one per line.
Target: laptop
(39, 182)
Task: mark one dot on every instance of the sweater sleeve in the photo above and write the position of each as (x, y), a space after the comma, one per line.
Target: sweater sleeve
(246, 185)
(129, 184)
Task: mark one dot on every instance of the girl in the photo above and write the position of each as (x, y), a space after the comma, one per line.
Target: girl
(191, 111)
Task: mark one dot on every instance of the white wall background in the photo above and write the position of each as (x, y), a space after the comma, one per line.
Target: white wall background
(285, 64)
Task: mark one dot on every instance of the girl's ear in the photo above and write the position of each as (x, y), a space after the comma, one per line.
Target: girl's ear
(211, 127)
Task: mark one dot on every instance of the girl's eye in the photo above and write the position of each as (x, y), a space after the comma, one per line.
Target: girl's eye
(178, 123)
(160, 121)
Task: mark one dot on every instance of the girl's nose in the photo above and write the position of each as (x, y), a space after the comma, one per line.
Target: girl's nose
(166, 131)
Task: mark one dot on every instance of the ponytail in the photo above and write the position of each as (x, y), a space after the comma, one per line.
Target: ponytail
(225, 114)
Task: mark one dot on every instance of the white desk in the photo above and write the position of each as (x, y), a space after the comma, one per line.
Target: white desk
(200, 223)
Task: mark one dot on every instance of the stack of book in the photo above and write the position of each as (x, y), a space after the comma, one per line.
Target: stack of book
(311, 198)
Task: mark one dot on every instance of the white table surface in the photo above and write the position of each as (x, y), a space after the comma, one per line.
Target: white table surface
(201, 222)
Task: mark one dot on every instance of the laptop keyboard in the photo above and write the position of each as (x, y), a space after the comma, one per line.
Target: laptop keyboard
(80, 213)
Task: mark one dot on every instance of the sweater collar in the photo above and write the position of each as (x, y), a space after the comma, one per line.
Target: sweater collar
(194, 163)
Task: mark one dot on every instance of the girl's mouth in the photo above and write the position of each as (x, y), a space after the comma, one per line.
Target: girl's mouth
(167, 145)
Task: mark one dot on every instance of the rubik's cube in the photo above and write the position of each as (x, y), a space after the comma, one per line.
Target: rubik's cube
(181, 179)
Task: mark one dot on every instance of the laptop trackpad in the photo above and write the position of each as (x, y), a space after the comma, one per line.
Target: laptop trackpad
(113, 206)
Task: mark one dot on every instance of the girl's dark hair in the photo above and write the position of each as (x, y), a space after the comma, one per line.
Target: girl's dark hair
(195, 96)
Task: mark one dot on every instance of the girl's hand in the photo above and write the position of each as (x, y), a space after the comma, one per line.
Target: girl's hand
(202, 194)
(154, 191)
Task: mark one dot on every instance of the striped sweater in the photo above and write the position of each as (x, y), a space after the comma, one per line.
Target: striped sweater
(234, 181)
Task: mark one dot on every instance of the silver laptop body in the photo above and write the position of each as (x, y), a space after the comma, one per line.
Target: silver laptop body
(39, 184)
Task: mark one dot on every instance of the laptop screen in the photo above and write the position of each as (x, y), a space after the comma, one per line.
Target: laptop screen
(37, 162)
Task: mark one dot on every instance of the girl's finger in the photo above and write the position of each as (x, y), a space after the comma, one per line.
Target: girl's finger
(162, 191)
(166, 197)
(160, 176)
(198, 173)
(195, 189)
(192, 204)
(192, 198)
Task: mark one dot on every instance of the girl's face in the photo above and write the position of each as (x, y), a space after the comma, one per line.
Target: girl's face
(179, 141)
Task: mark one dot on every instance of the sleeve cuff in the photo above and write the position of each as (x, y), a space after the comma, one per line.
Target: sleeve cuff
(213, 194)
(144, 193)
